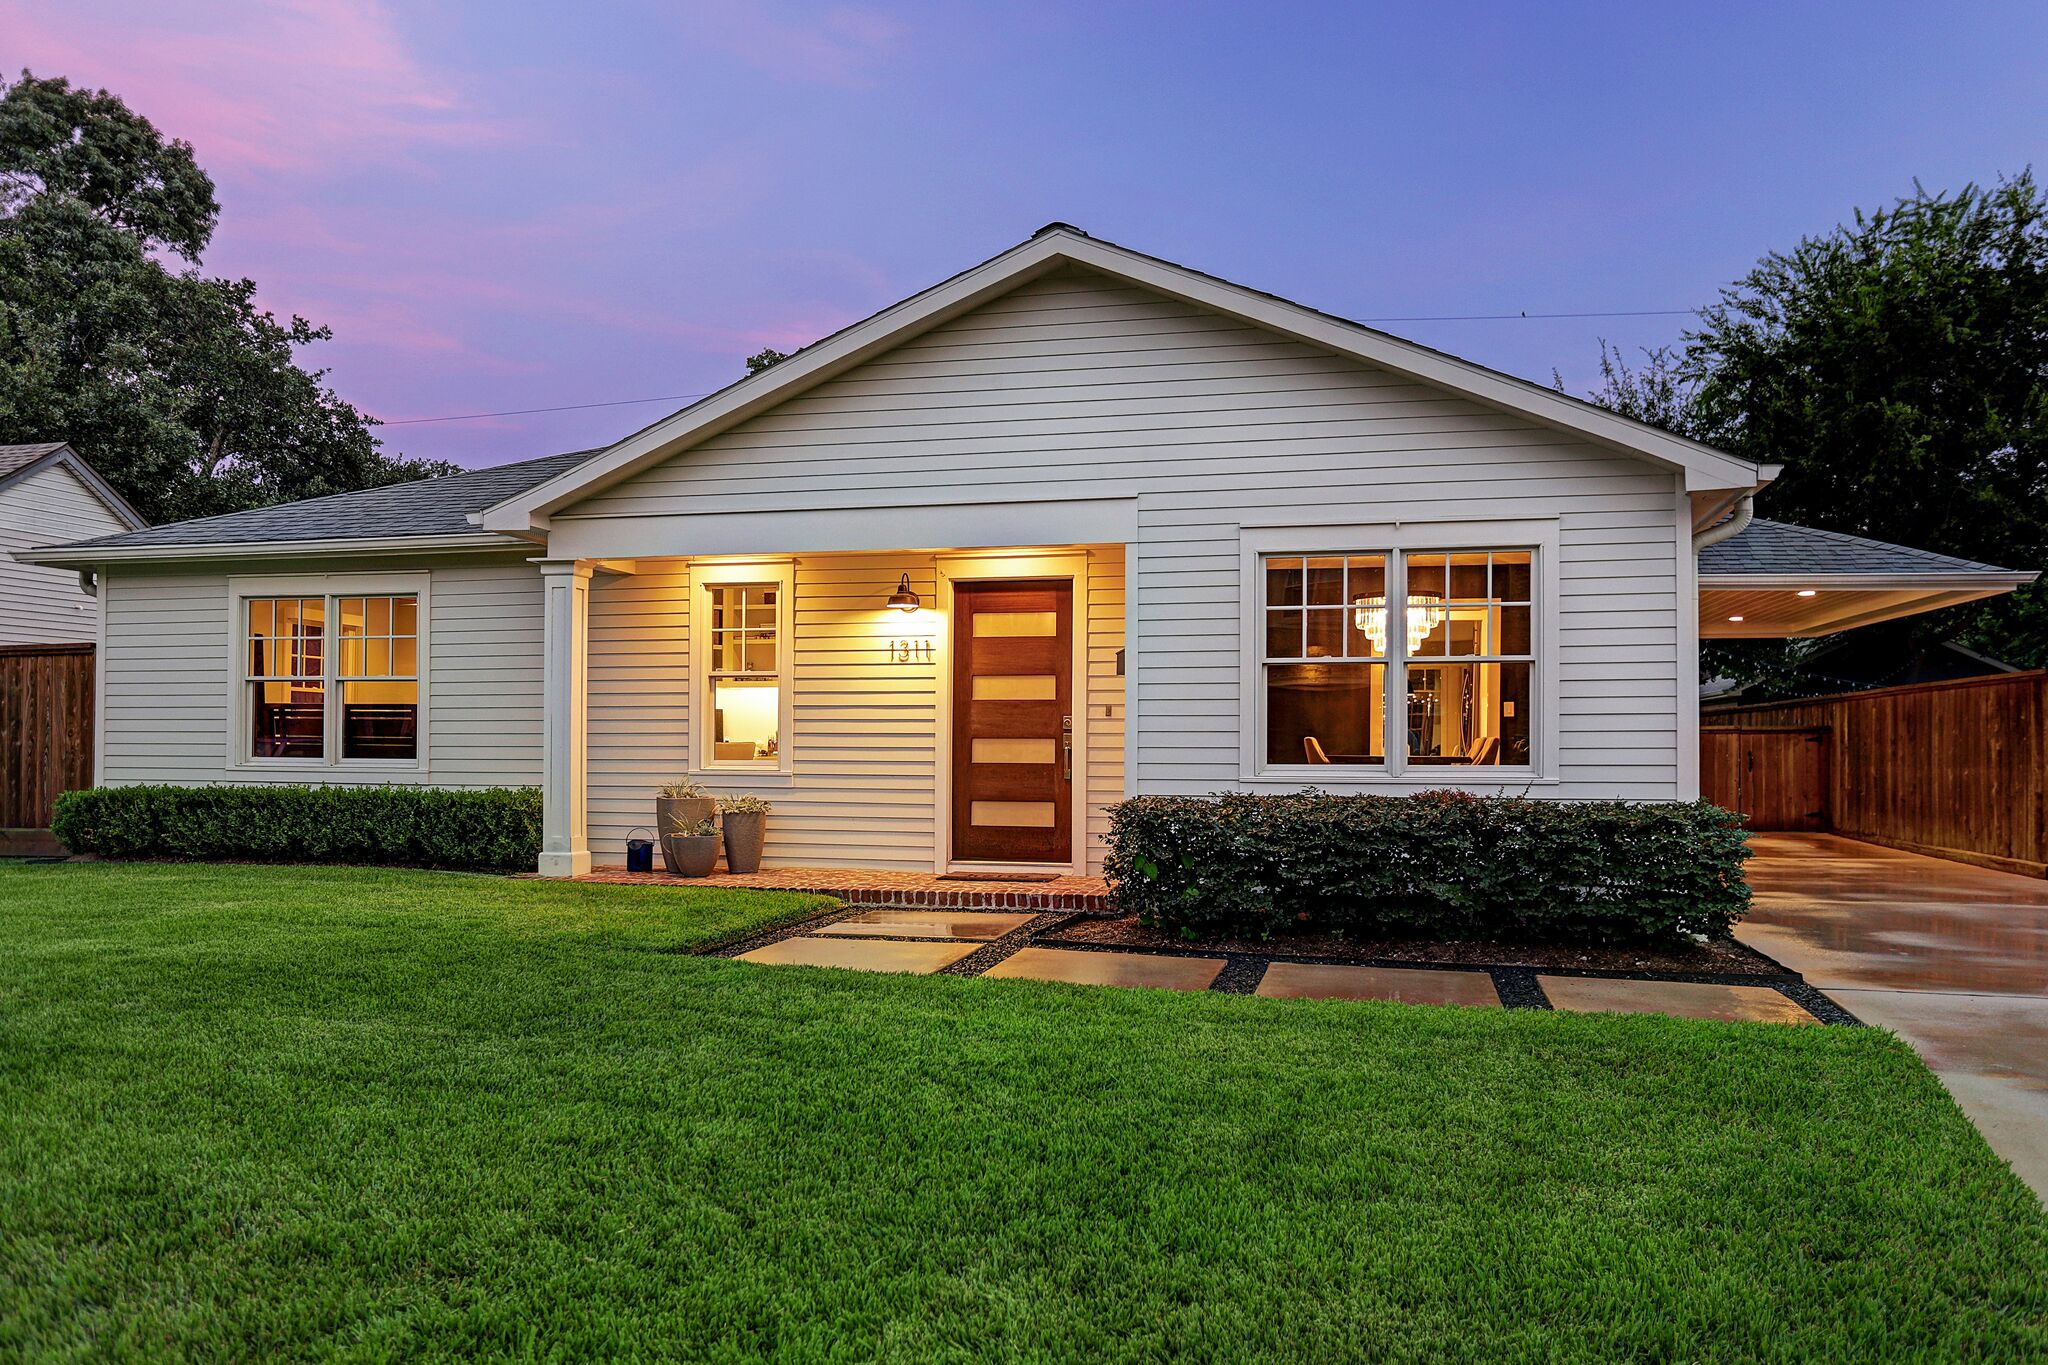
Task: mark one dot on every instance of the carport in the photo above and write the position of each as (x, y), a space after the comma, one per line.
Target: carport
(1954, 769)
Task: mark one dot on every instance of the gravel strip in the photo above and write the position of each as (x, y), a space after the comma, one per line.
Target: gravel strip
(1519, 989)
(1241, 975)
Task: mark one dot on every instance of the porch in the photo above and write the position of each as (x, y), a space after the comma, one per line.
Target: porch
(908, 714)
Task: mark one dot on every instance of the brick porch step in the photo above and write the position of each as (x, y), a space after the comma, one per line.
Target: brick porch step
(916, 890)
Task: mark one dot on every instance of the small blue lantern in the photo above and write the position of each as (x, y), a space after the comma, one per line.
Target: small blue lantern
(639, 852)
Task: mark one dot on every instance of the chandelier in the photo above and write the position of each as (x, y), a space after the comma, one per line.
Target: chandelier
(1425, 614)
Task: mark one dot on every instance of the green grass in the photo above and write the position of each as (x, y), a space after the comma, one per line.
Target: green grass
(258, 1112)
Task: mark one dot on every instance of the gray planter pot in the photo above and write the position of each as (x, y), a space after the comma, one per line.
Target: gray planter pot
(690, 855)
(689, 809)
(743, 835)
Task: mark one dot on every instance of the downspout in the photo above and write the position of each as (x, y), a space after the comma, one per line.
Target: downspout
(89, 582)
(1745, 510)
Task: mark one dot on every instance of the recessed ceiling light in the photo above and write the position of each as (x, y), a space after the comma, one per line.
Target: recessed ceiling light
(1806, 592)
(1735, 618)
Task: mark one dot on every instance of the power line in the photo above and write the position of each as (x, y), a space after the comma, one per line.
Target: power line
(524, 412)
(1517, 317)
(688, 397)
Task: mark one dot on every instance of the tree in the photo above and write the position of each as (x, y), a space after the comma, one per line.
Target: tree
(1897, 367)
(188, 397)
(764, 358)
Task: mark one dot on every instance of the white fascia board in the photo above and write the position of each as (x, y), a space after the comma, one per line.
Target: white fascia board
(85, 556)
(1702, 467)
(1987, 582)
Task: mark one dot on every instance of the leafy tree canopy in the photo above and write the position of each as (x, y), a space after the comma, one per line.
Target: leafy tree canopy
(764, 358)
(1897, 367)
(178, 388)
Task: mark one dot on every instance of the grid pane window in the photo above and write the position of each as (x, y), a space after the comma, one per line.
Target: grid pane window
(378, 670)
(1325, 652)
(1469, 674)
(286, 677)
(1464, 634)
(332, 678)
(745, 674)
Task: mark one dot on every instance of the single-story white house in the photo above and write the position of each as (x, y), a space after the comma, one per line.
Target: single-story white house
(1072, 525)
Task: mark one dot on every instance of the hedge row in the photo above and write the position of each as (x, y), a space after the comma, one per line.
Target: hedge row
(494, 830)
(1439, 865)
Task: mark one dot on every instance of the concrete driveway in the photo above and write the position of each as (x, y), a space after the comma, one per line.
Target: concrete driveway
(1952, 958)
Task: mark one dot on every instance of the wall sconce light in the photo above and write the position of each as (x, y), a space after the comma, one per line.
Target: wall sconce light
(903, 599)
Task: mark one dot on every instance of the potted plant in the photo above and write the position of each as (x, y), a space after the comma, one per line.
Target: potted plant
(690, 847)
(742, 817)
(680, 802)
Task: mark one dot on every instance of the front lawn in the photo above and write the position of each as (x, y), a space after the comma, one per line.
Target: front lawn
(258, 1112)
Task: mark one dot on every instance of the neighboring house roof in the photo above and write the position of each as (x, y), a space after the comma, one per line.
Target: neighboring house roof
(1780, 548)
(425, 508)
(1057, 245)
(17, 457)
(18, 462)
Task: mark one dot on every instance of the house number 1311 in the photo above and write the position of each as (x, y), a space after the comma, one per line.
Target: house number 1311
(910, 651)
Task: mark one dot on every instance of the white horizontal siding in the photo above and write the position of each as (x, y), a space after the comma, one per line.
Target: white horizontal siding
(167, 677)
(1079, 386)
(41, 605)
(864, 747)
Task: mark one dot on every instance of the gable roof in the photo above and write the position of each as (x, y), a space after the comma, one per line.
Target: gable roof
(1780, 549)
(425, 509)
(1056, 245)
(19, 462)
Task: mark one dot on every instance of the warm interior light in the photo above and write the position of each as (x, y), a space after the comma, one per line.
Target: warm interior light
(903, 599)
(1806, 592)
(1370, 616)
(1735, 618)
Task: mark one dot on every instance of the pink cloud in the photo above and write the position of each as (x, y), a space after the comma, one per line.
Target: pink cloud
(294, 85)
(839, 46)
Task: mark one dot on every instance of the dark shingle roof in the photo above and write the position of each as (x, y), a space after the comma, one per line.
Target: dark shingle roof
(425, 507)
(20, 457)
(1778, 547)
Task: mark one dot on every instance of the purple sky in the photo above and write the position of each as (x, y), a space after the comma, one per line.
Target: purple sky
(497, 207)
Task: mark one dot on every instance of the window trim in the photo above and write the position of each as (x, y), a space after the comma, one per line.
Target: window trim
(782, 573)
(243, 587)
(1256, 543)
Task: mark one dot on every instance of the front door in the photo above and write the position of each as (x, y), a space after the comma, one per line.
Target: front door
(1013, 722)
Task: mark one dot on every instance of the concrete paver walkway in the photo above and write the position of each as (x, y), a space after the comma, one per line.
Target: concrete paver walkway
(1952, 958)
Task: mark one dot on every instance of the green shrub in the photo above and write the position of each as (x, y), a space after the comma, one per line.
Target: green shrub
(1437, 865)
(494, 830)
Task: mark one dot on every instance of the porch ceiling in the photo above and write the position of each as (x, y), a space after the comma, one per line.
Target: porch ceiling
(1732, 609)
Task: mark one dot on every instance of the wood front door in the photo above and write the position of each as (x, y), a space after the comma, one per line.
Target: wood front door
(1013, 722)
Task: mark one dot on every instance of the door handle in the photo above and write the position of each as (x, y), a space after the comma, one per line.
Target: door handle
(1067, 746)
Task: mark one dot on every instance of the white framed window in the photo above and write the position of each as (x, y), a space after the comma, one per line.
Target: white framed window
(742, 696)
(329, 671)
(1412, 655)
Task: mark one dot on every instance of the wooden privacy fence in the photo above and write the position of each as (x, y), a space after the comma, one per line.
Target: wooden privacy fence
(1957, 769)
(46, 720)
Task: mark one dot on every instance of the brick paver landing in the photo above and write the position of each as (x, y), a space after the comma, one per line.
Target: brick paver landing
(1081, 895)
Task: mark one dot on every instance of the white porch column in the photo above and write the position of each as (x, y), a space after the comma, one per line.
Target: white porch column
(565, 604)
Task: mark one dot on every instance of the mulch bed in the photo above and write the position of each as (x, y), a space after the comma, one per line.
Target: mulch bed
(1726, 957)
